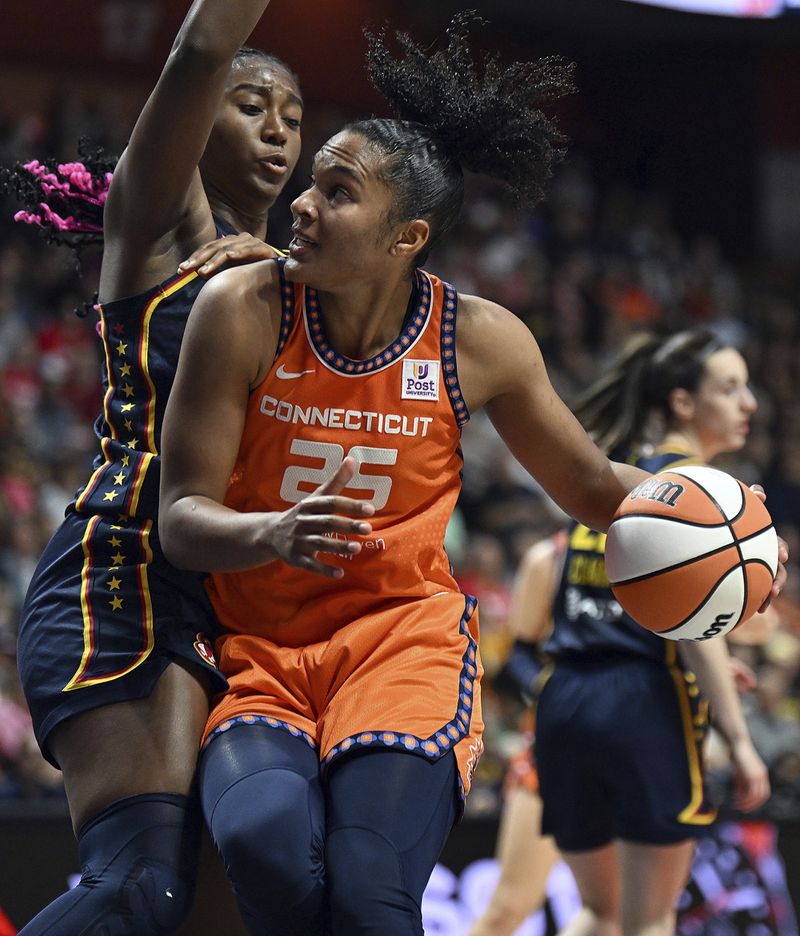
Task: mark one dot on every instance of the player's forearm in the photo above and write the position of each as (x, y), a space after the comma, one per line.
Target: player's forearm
(215, 29)
(200, 534)
(615, 483)
(709, 660)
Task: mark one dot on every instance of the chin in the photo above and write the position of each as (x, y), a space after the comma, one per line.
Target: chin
(296, 271)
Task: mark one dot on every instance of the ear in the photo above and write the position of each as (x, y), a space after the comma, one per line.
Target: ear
(410, 239)
(681, 404)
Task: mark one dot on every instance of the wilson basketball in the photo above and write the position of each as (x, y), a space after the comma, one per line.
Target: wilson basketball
(691, 553)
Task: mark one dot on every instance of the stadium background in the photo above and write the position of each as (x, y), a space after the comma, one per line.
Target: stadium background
(679, 206)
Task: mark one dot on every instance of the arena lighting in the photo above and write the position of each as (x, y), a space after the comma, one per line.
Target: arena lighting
(748, 9)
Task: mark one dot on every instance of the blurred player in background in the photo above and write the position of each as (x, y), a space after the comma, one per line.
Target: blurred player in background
(114, 644)
(621, 719)
(526, 857)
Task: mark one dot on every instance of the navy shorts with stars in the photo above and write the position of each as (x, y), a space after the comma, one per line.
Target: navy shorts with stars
(104, 615)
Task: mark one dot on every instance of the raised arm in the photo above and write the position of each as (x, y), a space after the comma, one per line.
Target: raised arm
(500, 366)
(157, 178)
(228, 345)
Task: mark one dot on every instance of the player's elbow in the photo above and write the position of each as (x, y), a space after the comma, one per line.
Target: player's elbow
(173, 536)
(197, 53)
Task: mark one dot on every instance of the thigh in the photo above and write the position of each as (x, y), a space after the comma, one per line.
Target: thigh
(526, 856)
(145, 745)
(653, 877)
(597, 874)
(255, 751)
(262, 800)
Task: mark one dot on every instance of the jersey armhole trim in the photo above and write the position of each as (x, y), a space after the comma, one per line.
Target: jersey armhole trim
(448, 350)
(287, 310)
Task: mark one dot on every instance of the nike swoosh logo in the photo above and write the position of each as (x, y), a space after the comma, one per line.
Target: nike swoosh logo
(288, 375)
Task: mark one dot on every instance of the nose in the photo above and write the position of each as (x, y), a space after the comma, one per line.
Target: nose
(303, 205)
(273, 129)
(749, 402)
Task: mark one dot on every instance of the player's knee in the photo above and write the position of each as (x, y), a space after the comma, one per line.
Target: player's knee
(367, 885)
(157, 896)
(140, 864)
(272, 849)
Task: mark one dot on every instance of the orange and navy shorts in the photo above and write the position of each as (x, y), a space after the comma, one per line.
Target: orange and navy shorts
(104, 615)
(406, 678)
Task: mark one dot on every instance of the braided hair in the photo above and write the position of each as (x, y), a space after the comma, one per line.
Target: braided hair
(66, 200)
(616, 408)
(457, 110)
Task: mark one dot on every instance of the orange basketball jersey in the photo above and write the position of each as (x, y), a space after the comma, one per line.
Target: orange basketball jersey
(386, 655)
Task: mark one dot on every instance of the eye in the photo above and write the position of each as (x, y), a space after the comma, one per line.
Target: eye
(252, 110)
(292, 122)
(339, 191)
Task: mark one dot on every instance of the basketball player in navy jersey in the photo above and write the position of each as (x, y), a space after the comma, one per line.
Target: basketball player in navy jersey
(114, 645)
(622, 718)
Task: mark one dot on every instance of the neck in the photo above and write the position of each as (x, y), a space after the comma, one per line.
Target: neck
(686, 440)
(244, 223)
(363, 319)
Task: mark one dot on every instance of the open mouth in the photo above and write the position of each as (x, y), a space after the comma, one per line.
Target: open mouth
(275, 163)
(300, 242)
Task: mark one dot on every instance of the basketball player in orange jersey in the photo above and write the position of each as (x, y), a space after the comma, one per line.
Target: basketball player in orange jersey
(622, 714)
(339, 756)
(113, 652)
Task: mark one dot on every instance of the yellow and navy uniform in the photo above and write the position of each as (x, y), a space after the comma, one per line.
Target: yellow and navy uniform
(387, 655)
(105, 612)
(620, 721)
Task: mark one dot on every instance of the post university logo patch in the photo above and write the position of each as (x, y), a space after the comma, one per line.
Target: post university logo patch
(420, 380)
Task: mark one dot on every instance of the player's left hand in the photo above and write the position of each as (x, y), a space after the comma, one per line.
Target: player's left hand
(743, 675)
(234, 248)
(783, 557)
(751, 779)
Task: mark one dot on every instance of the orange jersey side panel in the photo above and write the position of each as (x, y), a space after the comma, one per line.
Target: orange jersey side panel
(388, 653)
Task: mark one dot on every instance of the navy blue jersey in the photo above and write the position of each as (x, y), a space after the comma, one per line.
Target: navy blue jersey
(587, 618)
(142, 338)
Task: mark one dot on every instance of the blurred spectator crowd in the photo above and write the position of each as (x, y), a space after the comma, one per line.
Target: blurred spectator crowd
(587, 269)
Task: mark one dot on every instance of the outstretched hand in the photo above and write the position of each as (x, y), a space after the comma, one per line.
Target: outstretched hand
(231, 249)
(320, 523)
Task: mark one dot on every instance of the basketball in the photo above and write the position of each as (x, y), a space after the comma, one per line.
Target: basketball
(691, 553)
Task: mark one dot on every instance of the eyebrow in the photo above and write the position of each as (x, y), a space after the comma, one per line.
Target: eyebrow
(265, 91)
(345, 170)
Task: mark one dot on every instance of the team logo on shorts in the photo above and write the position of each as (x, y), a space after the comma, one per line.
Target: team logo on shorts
(203, 646)
(420, 380)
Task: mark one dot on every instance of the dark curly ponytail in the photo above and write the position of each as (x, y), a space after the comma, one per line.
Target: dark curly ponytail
(457, 109)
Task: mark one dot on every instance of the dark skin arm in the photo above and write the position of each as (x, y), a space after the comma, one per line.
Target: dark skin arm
(202, 433)
(157, 211)
(500, 367)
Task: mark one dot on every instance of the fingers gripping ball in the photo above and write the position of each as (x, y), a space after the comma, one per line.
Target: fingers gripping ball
(691, 553)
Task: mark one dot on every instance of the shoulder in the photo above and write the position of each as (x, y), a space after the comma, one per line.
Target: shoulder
(238, 308)
(242, 289)
(496, 350)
